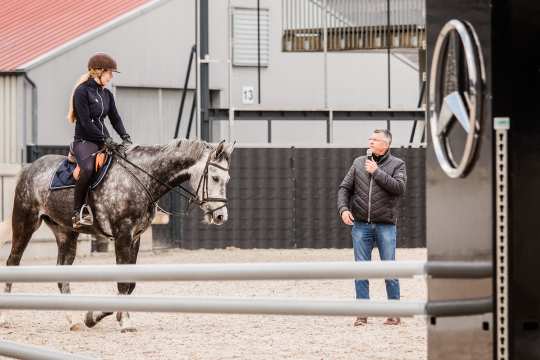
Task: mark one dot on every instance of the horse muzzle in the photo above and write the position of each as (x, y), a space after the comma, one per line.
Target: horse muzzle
(218, 216)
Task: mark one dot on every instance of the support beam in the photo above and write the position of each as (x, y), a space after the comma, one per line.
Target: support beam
(206, 126)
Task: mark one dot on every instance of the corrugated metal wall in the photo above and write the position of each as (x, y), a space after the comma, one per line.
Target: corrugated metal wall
(8, 119)
(286, 198)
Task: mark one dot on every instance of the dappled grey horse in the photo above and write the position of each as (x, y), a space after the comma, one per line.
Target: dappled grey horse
(123, 205)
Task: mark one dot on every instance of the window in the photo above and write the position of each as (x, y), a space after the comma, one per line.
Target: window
(244, 37)
(352, 24)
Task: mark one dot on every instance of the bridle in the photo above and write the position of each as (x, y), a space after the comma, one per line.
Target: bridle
(191, 197)
(203, 181)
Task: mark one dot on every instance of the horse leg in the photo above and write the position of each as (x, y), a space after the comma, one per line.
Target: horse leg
(67, 249)
(25, 221)
(92, 318)
(126, 253)
(136, 243)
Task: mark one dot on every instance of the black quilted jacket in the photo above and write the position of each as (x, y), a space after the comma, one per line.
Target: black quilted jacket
(373, 198)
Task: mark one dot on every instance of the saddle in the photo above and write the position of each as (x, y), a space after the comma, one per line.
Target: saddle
(101, 159)
(67, 173)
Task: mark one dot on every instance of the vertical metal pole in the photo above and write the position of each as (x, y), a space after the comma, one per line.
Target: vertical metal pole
(319, 22)
(34, 125)
(162, 133)
(325, 49)
(283, 27)
(197, 97)
(1, 198)
(184, 92)
(206, 128)
(229, 57)
(24, 139)
(259, 50)
(231, 124)
(191, 113)
(388, 38)
(290, 22)
(501, 258)
(330, 127)
(310, 25)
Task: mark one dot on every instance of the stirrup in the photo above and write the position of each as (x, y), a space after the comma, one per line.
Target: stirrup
(88, 218)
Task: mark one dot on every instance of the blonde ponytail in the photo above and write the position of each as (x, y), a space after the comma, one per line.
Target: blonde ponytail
(71, 112)
(92, 73)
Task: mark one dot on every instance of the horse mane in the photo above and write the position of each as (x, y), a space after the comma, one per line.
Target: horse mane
(189, 147)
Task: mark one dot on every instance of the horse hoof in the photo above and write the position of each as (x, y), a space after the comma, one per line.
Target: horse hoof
(89, 320)
(128, 330)
(75, 327)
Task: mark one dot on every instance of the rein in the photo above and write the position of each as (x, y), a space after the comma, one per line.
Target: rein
(185, 193)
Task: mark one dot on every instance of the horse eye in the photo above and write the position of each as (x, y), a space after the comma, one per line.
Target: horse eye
(215, 178)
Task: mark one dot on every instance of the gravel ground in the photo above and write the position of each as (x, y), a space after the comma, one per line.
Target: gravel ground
(199, 336)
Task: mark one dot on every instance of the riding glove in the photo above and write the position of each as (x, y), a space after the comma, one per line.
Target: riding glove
(126, 140)
(109, 142)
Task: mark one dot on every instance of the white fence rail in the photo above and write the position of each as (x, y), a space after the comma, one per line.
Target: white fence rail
(26, 352)
(246, 271)
(213, 305)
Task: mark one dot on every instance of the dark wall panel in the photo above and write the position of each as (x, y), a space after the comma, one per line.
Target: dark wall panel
(516, 81)
(34, 152)
(285, 198)
(260, 205)
(411, 225)
(318, 173)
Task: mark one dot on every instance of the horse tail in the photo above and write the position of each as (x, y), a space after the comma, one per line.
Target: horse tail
(6, 231)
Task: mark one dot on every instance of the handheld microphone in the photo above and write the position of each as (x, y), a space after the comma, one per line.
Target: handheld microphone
(369, 154)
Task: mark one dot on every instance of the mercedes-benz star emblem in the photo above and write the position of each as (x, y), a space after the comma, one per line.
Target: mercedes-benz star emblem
(456, 94)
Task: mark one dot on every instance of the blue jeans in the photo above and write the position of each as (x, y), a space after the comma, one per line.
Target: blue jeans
(364, 236)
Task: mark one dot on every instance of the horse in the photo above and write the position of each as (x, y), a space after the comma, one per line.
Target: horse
(124, 204)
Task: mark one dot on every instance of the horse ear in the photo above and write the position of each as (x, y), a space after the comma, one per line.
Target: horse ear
(219, 149)
(230, 147)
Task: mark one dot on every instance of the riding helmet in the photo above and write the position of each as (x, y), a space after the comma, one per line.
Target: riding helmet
(102, 61)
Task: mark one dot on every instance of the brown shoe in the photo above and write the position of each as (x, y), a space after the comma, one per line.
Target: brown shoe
(392, 321)
(360, 321)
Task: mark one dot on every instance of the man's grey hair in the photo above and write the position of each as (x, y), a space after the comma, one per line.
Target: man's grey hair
(386, 133)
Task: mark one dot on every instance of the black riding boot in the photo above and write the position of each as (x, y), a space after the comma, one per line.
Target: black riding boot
(84, 152)
(82, 215)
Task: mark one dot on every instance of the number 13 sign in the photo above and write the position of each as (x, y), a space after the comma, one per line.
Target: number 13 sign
(248, 94)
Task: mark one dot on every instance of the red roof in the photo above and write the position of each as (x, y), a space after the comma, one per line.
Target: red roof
(32, 28)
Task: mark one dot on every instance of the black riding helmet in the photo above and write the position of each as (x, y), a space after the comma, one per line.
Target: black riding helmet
(102, 61)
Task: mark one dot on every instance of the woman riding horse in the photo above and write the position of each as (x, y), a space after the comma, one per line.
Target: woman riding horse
(90, 103)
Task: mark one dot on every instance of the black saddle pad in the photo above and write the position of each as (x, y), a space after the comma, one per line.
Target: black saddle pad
(63, 176)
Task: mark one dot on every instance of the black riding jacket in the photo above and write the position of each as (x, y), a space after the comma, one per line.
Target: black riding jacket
(92, 103)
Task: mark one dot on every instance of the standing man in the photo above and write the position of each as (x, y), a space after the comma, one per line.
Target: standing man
(368, 199)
